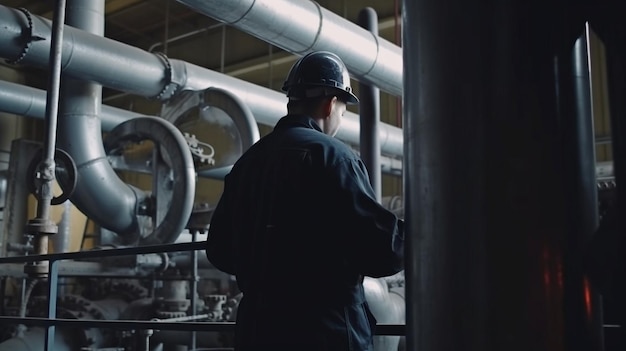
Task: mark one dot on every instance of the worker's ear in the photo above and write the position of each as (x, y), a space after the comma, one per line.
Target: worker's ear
(328, 105)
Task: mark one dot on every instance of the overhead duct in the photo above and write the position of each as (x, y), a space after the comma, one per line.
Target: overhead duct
(302, 26)
(129, 69)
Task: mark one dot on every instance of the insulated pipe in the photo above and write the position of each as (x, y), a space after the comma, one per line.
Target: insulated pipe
(85, 55)
(100, 193)
(26, 101)
(129, 69)
(302, 26)
(30, 102)
(386, 309)
(269, 105)
(369, 113)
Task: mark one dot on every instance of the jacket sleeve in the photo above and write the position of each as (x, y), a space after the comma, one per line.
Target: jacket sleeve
(219, 244)
(375, 234)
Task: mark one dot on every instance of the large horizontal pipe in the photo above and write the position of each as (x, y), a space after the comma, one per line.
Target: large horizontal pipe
(26, 101)
(31, 102)
(302, 26)
(129, 69)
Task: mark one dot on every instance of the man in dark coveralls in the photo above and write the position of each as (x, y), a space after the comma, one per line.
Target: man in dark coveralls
(298, 224)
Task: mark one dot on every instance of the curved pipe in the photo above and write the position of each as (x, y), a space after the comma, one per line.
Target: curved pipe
(129, 69)
(99, 193)
(181, 183)
(387, 307)
(376, 61)
(269, 105)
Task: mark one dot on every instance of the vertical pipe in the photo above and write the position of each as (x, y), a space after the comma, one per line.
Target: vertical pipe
(52, 100)
(41, 226)
(583, 314)
(80, 134)
(61, 241)
(369, 113)
(46, 167)
(483, 177)
(612, 33)
(89, 17)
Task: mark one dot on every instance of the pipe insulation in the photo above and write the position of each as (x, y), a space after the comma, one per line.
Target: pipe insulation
(302, 26)
(129, 69)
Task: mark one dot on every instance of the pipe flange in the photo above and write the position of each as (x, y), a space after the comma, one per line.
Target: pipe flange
(174, 305)
(170, 314)
(39, 269)
(129, 290)
(41, 226)
(173, 81)
(81, 304)
(28, 37)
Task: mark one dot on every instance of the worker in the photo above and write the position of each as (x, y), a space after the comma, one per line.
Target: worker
(298, 225)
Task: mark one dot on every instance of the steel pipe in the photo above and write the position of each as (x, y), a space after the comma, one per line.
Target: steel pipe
(301, 26)
(129, 69)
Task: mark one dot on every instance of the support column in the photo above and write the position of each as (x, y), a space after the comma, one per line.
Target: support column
(487, 216)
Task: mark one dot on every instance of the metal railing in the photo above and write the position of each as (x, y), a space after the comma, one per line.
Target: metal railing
(51, 322)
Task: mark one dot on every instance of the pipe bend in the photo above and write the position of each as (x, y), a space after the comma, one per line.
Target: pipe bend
(176, 155)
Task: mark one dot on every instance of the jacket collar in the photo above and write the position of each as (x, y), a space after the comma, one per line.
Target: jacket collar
(293, 121)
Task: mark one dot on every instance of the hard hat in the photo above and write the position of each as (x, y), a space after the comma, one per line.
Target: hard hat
(319, 73)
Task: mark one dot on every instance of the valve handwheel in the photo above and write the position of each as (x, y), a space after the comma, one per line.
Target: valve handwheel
(65, 175)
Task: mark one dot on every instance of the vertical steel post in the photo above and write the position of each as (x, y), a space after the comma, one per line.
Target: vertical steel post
(369, 113)
(52, 302)
(488, 246)
(583, 312)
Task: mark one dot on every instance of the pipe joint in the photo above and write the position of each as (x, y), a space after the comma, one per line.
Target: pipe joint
(175, 75)
(27, 37)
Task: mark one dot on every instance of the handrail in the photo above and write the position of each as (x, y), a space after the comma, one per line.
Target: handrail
(51, 322)
(124, 251)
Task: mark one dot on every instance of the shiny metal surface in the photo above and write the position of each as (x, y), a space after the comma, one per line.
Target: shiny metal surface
(490, 255)
(139, 72)
(376, 61)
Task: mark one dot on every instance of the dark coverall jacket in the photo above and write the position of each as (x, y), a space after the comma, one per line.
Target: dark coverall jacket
(298, 224)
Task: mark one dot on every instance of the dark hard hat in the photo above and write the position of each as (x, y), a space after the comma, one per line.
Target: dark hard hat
(319, 73)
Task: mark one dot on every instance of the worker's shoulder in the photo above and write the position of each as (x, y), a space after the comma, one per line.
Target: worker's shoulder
(332, 144)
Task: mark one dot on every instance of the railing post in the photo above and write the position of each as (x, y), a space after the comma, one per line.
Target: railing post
(52, 302)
